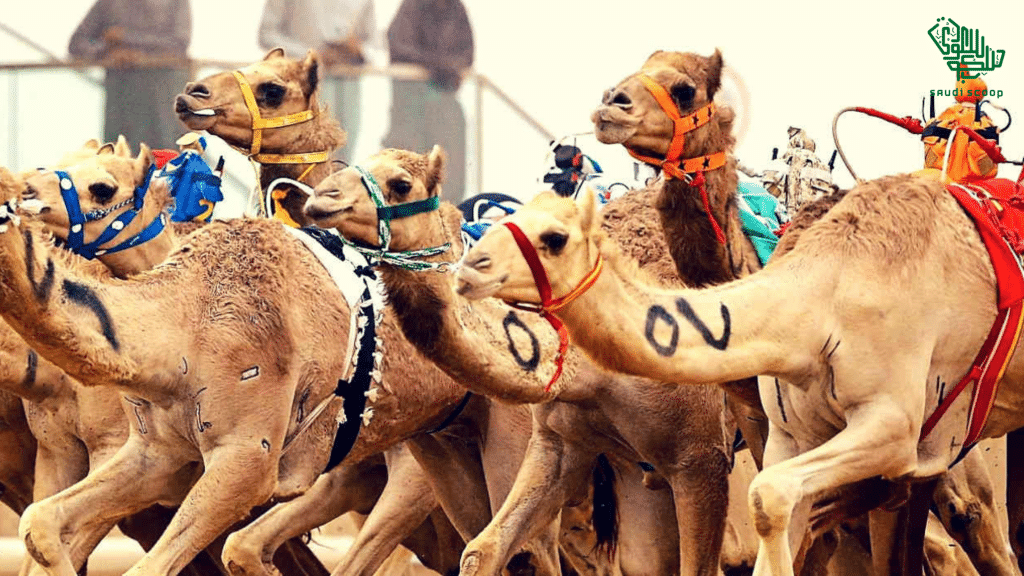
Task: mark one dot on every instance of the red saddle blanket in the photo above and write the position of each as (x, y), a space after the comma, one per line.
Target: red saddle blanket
(996, 207)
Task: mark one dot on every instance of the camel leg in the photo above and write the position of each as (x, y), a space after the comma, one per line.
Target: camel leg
(102, 498)
(250, 551)
(874, 442)
(966, 505)
(452, 465)
(1014, 492)
(897, 536)
(237, 478)
(701, 493)
(406, 502)
(551, 471)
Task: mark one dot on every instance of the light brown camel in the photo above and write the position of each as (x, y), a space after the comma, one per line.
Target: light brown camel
(680, 435)
(283, 87)
(879, 261)
(426, 409)
(631, 115)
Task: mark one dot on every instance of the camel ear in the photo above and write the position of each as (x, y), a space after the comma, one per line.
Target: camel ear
(143, 160)
(311, 67)
(587, 205)
(435, 170)
(121, 148)
(107, 148)
(714, 73)
(91, 144)
(274, 53)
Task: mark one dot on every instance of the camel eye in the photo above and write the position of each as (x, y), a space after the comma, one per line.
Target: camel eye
(683, 95)
(270, 94)
(400, 188)
(554, 241)
(102, 192)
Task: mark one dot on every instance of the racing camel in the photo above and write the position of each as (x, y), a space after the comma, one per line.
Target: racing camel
(868, 277)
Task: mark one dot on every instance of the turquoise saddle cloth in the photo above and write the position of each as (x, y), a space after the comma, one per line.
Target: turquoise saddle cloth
(759, 212)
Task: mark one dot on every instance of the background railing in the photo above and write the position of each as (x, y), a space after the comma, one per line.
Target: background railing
(52, 107)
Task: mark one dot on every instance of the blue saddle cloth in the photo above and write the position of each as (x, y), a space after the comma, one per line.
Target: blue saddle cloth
(759, 213)
(194, 187)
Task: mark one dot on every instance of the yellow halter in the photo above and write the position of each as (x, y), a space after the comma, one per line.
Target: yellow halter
(259, 124)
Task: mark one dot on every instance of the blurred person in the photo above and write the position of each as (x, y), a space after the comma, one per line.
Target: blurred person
(436, 35)
(137, 40)
(339, 31)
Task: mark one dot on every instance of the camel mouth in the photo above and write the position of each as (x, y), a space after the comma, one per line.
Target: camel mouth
(192, 114)
(329, 215)
(613, 125)
(474, 285)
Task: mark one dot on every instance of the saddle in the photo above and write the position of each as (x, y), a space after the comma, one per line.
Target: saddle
(997, 208)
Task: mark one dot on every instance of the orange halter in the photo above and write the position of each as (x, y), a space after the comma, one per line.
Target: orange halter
(690, 170)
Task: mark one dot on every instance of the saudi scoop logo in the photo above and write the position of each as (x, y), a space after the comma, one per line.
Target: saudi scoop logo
(964, 49)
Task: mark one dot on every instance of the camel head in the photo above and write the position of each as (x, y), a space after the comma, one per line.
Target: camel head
(565, 235)
(343, 201)
(108, 180)
(631, 115)
(279, 85)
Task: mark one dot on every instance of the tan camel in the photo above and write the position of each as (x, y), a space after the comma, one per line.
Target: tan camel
(844, 421)
(681, 435)
(632, 115)
(283, 87)
(424, 411)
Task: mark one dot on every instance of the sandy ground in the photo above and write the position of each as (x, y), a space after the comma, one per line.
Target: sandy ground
(117, 553)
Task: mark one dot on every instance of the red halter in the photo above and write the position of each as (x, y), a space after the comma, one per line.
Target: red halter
(548, 305)
(690, 170)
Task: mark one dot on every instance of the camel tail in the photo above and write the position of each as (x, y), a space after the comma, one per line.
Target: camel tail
(606, 507)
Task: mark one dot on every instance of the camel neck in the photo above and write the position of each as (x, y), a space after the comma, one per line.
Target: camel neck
(142, 257)
(474, 342)
(700, 258)
(684, 336)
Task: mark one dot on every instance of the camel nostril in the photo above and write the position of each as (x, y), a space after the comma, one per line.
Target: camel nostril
(621, 100)
(197, 90)
(482, 262)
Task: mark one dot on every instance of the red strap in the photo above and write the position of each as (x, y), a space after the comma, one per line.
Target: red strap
(540, 277)
(912, 125)
(988, 146)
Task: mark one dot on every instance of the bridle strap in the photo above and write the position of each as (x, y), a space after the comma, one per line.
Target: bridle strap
(690, 170)
(407, 259)
(259, 123)
(77, 220)
(548, 304)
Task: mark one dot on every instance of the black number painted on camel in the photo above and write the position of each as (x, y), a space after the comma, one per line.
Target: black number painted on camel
(658, 314)
(530, 363)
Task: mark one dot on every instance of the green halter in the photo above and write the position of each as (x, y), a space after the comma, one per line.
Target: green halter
(385, 214)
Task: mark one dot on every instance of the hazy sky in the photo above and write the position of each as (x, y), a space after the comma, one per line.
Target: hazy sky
(800, 62)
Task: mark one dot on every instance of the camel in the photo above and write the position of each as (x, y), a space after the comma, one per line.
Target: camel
(897, 239)
(591, 414)
(429, 410)
(634, 115)
(283, 87)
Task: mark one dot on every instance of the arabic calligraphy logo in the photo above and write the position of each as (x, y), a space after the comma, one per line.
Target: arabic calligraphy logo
(964, 50)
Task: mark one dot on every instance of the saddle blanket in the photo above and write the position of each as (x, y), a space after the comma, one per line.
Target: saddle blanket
(995, 206)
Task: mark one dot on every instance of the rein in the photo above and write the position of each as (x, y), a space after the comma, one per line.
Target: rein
(548, 304)
(408, 259)
(690, 170)
(77, 220)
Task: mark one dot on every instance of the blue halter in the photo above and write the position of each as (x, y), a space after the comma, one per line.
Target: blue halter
(77, 220)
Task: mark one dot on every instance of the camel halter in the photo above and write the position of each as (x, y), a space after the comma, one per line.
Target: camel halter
(77, 220)
(407, 259)
(690, 170)
(549, 305)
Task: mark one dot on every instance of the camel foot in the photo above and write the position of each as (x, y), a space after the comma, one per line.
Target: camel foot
(41, 535)
(480, 559)
(243, 559)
